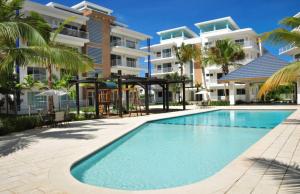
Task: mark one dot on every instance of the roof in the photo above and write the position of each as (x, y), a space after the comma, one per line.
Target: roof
(88, 5)
(260, 68)
(129, 32)
(297, 15)
(183, 28)
(198, 25)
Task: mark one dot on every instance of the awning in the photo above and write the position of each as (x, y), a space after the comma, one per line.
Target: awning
(259, 69)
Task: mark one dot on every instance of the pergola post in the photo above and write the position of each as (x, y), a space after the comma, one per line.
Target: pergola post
(183, 94)
(96, 96)
(120, 106)
(77, 95)
(147, 95)
(164, 96)
(298, 90)
(232, 93)
(127, 98)
(167, 96)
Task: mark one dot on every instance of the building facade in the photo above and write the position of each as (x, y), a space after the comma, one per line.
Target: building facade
(293, 51)
(93, 31)
(164, 60)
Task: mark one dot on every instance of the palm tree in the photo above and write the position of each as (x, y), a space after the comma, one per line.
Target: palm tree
(291, 72)
(198, 58)
(63, 57)
(15, 27)
(225, 54)
(184, 54)
(175, 87)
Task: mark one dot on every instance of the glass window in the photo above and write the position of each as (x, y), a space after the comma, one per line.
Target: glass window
(221, 92)
(115, 41)
(159, 94)
(158, 54)
(130, 44)
(240, 91)
(167, 53)
(131, 62)
(116, 60)
(239, 41)
(167, 67)
(92, 74)
(39, 102)
(219, 75)
(158, 67)
(37, 73)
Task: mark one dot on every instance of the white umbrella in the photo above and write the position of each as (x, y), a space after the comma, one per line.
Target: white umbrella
(202, 92)
(52, 93)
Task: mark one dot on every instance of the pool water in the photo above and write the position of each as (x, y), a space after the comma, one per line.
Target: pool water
(177, 151)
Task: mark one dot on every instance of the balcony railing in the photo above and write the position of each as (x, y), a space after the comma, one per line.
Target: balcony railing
(123, 43)
(286, 48)
(73, 32)
(164, 70)
(118, 62)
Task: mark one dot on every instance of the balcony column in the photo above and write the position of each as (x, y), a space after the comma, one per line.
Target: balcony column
(298, 90)
(247, 91)
(232, 93)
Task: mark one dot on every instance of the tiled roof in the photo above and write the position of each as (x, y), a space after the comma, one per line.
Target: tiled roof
(262, 67)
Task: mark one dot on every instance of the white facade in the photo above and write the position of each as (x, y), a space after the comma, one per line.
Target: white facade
(164, 60)
(75, 35)
(125, 50)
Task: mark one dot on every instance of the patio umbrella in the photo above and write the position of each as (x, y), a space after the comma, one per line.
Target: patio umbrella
(52, 93)
(202, 92)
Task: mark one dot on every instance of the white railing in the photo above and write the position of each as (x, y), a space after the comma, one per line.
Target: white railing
(164, 70)
(286, 48)
(123, 44)
(73, 32)
(117, 62)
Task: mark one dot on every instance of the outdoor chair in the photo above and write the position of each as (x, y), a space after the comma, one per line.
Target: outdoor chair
(59, 118)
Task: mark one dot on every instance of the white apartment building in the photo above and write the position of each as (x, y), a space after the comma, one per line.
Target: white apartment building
(164, 60)
(94, 31)
(293, 51)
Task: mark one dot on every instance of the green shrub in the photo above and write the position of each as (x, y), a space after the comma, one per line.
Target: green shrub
(219, 103)
(19, 123)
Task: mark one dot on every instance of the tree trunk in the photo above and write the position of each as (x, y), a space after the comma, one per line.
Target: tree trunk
(204, 84)
(225, 72)
(181, 70)
(6, 99)
(50, 85)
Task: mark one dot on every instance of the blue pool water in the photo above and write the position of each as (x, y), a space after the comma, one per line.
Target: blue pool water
(177, 151)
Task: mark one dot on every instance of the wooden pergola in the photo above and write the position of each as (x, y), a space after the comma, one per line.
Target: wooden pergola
(144, 82)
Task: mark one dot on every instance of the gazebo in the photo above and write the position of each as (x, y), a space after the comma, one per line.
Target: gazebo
(127, 81)
(252, 74)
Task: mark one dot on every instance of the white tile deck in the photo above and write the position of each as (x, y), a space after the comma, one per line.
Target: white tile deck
(39, 161)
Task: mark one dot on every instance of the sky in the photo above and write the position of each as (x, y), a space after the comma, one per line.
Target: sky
(151, 16)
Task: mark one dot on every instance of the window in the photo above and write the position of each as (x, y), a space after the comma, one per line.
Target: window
(37, 73)
(209, 75)
(115, 41)
(297, 57)
(130, 44)
(158, 54)
(167, 53)
(239, 41)
(159, 67)
(39, 102)
(219, 75)
(92, 74)
(115, 60)
(131, 62)
(160, 94)
(240, 91)
(167, 67)
(221, 92)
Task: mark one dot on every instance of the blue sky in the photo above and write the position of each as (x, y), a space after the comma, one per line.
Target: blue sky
(150, 16)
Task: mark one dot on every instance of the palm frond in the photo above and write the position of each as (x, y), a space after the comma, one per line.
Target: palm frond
(281, 35)
(284, 76)
(291, 22)
(61, 27)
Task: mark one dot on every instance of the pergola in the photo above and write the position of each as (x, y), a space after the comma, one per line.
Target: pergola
(127, 81)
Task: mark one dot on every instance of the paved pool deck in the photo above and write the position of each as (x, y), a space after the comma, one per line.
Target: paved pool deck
(39, 161)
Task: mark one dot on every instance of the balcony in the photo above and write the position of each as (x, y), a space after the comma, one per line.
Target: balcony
(165, 70)
(128, 64)
(290, 49)
(73, 32)
(126, 48)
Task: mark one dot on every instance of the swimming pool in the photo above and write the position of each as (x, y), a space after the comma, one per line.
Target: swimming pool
(177, 151)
